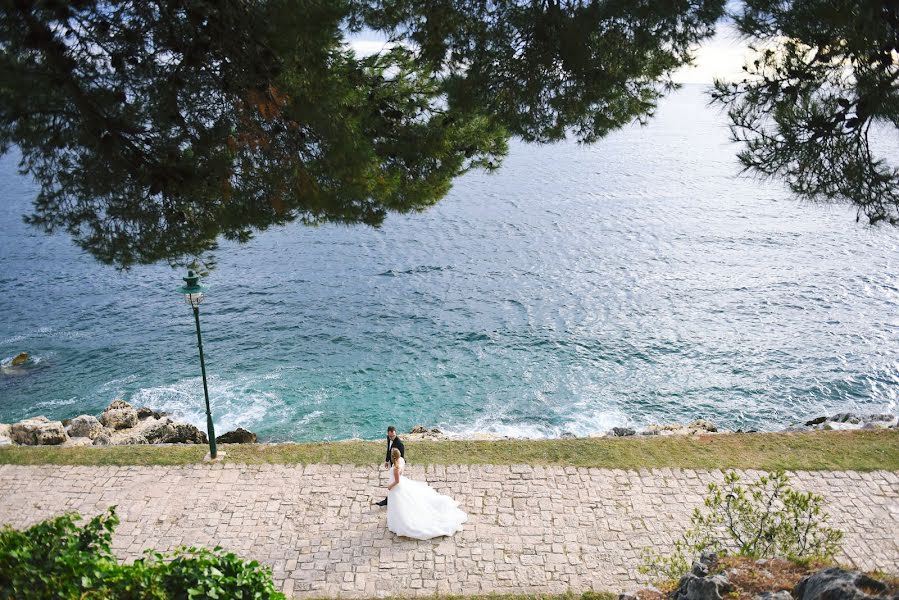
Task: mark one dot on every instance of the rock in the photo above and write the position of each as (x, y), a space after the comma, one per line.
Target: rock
(699, 569)
(4, 435)
(815, 421)
(709, 558)
(119, 415)
(418, 429)
(128, 437)
(19, 359)
(834, 583)
(876, 425)
(166, 431)
(38, 431)
(567, 435)
(627, 596)
(238, 436)
(655, 429)
(879, 418)
(435, 430)
(691, 587)
(697, 426)
(623, 431)
(103, 439)
(77, 441)
(145, 413)
(845, 418)
(84, 426)
(781, 595)
(702, 425)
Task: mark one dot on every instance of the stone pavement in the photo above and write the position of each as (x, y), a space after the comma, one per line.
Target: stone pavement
(530, 529)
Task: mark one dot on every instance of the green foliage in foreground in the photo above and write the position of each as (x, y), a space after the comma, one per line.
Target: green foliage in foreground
(826, 450)
(58, 559)
(764, 519)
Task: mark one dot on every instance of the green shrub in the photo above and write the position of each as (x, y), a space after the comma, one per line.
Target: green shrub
(763, 519)
(58, 559)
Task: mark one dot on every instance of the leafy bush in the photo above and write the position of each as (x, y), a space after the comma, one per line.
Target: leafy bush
(763, 519)
(58, 559)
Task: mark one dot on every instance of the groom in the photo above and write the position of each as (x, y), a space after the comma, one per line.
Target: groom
(392, 442)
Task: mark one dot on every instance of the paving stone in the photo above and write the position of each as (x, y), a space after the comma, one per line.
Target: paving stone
(530, 529)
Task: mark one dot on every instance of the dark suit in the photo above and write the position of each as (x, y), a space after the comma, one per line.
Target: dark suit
(398, 444)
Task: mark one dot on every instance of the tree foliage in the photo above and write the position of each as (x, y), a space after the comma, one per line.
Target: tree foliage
(156, 127)
(764, 519)
(824, 84)
(57, 558)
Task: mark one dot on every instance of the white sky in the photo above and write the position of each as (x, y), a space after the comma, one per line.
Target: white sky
(721, 56)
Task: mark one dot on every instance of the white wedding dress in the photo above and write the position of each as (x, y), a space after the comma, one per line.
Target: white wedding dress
(416, 510)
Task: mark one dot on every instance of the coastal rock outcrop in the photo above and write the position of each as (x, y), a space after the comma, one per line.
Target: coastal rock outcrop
(838, 584)
(847, 420)
(420, 433)
(143, 412)
(77, 441)
(699, 585)
(104, 438)
(699, 426)
(623, 431)
(118, 425)
(238, 436)
(119, 415)
(38, 431)
(19, 359)
(84, 426)
(166, 431)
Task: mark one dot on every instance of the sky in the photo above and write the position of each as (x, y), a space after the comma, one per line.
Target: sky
(720, 56)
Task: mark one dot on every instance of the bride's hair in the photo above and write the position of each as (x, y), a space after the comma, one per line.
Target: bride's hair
(395, 456)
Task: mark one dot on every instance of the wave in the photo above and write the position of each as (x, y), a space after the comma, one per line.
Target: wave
(41, 332)
(234, 403)
(579, 424)
(51, 404)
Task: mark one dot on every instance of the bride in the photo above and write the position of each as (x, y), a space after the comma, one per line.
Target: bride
(416, 510)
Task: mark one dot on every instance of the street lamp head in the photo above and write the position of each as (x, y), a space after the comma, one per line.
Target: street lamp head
(192, 290)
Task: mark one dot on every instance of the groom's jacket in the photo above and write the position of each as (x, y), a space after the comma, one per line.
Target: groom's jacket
(396, 444)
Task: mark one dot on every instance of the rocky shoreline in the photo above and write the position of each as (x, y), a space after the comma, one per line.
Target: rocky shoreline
(837, 422)
(121, 424)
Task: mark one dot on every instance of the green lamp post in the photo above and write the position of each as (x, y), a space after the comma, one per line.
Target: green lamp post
(193, 293)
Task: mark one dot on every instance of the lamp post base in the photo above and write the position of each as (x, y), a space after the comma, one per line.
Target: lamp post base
(219, 457)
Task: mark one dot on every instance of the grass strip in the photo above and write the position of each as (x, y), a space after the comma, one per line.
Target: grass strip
(812, 451)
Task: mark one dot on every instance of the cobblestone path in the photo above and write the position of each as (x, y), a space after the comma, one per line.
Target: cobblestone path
(535, 529)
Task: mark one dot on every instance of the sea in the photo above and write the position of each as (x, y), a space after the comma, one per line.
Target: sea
(642, 279)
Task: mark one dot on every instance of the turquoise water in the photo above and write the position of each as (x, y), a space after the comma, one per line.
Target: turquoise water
(580, 288)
